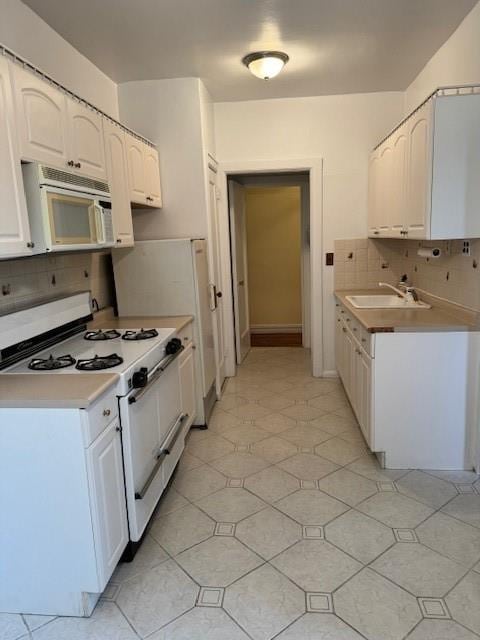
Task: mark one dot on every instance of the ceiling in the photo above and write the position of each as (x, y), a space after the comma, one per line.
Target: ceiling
(335, 46)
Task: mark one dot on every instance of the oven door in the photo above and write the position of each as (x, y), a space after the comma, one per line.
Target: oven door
(73, 220)
(152, 429)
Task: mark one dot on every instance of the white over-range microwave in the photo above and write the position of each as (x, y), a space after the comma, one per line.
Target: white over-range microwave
(67, 212)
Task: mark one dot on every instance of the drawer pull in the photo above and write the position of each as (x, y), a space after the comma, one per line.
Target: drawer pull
(344, 330)
(354, 328)
(106, 412)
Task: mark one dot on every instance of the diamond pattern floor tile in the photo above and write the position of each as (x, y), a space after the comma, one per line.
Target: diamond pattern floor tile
(268, 532)
(246, 434)
(310, 506)
(368, 467)
(11, 626)
(274, 449)
(347, 486)
(105, 623)
(264, 602)
(156, 597)
(239, 465)
(271, 484)
(276, 402)
(316, 565)
(275, 423)
(201, 622)
(465, 508)
(328, 403)
(452, 538)
(360, 536)
(250, 412)
(333, 424)
(231, 505)
(441, 630)
(307, 466)
(463, 602)
(302, 412)
(305, 435)
(199, 482)
(149, 555)
(210, 448)
(340, 451)
(312, 626)
(218, 561)
(428, 489)
(182, 529)
(395, 510)
(419, 570)
(376, 608)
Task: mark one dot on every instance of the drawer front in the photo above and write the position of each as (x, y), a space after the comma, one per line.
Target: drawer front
(186, 336)
(99, 416)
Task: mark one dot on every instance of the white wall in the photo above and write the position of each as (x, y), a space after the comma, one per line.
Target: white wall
(456, 62)
(169, 112)
(340, 129)
(22, 31)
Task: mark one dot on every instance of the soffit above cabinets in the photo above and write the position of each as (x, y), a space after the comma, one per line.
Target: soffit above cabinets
(337, 47)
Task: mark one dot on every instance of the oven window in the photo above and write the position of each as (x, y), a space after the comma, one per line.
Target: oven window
(71, 219)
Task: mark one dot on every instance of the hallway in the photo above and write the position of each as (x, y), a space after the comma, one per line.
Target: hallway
(279, 524)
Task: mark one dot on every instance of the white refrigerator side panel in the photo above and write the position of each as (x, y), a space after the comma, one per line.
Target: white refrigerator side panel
(155, 278)
(204, 316)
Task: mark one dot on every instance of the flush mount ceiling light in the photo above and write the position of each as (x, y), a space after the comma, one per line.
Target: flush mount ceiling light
(265, 64)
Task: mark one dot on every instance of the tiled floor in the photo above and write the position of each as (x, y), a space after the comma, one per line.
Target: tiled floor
(279, 524)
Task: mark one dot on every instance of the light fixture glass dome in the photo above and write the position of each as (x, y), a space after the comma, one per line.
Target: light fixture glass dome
(265, 64)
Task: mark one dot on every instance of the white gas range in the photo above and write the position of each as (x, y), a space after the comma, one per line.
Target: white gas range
(53, 338)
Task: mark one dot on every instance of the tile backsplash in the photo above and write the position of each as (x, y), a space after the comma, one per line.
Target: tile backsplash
(454, 276)
(31, 280)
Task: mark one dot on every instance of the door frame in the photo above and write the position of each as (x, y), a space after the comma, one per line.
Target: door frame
(314, 167)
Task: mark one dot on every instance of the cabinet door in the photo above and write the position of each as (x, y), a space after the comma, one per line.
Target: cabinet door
(398, 210)
(152, 176)
(349, 365)
(87, 148)
(385, 191)
(41, 119)
(419, 179)
(136, 170)
(373, 195)
(115, 149)
(14, 227)
(339, 347)
(107, 500)
(363, 369)
(187, 384)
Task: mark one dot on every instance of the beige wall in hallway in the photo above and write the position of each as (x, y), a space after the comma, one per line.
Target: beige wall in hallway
(274, 251)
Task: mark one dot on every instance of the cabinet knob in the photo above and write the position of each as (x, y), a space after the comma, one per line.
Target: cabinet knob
(70, 163)
(354, 328)
(118, 428)
(106, 412)
(119, 241)
(376, 233)
(78, 165)
(344, 330)
(30, 245)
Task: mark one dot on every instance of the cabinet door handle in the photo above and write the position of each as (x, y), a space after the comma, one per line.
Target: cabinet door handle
(119, 241)
(344, 330)
(70, 163)
(30, 245)
(78, 165)
(376, 233)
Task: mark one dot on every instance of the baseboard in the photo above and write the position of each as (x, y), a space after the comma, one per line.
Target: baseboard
(276, 328)
(330, 374)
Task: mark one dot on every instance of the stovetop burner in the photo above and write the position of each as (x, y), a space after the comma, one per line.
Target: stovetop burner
(99, 362)
(110, 334)
(51, 363)
(141, 334)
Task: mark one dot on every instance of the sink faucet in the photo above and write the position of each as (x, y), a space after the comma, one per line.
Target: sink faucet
(409, 294)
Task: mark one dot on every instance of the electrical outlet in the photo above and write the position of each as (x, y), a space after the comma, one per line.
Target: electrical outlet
(466, 248)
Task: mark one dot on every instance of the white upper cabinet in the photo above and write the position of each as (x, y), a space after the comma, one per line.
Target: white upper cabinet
(152, 176)
(14, 228)
(41, 119)
(87, 148)
(429, 187)
(115, 149)
(143, 173)
(419, 172)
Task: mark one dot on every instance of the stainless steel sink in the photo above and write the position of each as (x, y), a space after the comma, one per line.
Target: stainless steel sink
(384, 302)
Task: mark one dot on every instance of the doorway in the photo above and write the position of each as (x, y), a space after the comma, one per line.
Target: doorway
(269, 217)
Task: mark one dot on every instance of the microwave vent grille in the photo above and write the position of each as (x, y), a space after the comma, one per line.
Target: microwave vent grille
(48, 173)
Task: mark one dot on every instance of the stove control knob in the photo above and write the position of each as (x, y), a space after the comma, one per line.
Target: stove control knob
(140, 378)
(173, 346)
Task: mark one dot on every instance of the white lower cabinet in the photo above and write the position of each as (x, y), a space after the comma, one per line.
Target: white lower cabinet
(187, 384)
(107, 497)
(67, 520)
(413, 392)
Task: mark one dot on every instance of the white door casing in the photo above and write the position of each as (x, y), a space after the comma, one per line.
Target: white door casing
(216, 279)
(236, 199)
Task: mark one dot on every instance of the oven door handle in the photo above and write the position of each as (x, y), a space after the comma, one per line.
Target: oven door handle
(155, 374)
(164, 452)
